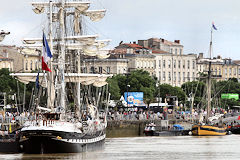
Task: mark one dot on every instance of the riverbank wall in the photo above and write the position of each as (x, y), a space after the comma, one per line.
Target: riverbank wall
(130, 128)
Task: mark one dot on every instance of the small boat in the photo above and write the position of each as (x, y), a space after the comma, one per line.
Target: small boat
(177, 130)
(208, 130)
(150, 129)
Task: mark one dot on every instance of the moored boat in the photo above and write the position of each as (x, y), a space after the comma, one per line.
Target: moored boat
(208, 130)
(68, 120)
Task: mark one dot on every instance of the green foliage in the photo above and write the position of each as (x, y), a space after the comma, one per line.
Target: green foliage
(196, 89)
(139, 81)
(166, 89)
(114, 88)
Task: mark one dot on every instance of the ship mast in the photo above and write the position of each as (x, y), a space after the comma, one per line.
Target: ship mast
(209, 85)
(62, 55)
(51, 90)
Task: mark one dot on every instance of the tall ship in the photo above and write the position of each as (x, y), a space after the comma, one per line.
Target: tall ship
(65, 115)
(208, 129)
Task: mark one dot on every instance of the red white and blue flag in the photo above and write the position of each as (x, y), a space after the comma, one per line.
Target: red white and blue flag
(213, 26)
(46, 54)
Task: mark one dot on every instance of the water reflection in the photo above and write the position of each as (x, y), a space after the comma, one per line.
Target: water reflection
(142, 148)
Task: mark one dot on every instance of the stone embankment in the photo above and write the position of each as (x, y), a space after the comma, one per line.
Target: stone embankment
(132, 128)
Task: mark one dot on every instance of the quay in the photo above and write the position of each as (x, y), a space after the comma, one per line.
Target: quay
(133, 128)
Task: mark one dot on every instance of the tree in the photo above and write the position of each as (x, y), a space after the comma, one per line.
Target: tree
(114, 88)
(166, 89)
(137, 81)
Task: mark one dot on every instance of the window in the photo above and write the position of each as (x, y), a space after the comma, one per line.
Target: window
(159, 63)
(219, 72)
(171, 51)
(160, 75)
(176, 51)
(188, 64)
(225, 71)
(164, 64)
(193, 75)
(179, 64)
(164, 76)
(31, 65)
(230, 71)
(183, 64)
(188, 76)
(169, 63)
(174, 63)
(180, 51)
(108, 69)
(215, 71)
(235, 71)
(193, 64)
(84, 69)
(169, 76)
(174, 76)
(100, 69)
(26, 65)
(92, 70)
(179, 76)
(36, 65)
(183, 76)
(238, 71)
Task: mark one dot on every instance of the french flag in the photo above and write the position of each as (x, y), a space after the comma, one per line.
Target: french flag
(46, 54)
(213, 26)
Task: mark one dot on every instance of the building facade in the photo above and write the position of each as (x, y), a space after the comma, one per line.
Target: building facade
(222, 69)
(161, 58)
(24, 60)
(6, 63)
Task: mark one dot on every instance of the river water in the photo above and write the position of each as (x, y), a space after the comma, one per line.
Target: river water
(151, 148)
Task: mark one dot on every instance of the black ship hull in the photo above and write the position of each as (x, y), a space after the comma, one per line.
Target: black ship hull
(9, 146)
(41, 142)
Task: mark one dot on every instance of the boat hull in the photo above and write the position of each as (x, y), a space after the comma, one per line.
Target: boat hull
(235, 129)
(45, 142)
(208, 130)
(11, 146)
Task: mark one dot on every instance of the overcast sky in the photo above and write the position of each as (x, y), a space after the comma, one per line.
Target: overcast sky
(130, 20)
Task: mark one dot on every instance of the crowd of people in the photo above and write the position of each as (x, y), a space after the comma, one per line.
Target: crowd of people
(151, 115)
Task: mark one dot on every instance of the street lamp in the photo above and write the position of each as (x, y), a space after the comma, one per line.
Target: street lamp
(158, 87)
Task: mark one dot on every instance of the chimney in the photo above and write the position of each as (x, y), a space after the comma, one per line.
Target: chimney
(177, 41)
(200, 56)
(162, 40)
(134, 42)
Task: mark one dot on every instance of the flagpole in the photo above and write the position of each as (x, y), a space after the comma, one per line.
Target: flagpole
(210, 52)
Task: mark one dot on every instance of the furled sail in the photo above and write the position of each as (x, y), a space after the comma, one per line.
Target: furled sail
(95, 15)
(83, 78)
(80, 5)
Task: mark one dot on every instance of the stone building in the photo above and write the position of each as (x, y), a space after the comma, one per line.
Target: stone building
(6, 63)
(13, 53)
(111, 65)
(24, 60)
(222, 68)
(172, 68)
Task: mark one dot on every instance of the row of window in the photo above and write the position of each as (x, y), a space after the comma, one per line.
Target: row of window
(184, 77)
(230, 71)
(31, 65)
(176, 51)
(96, 70)
(175, 64)
(145, 64)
